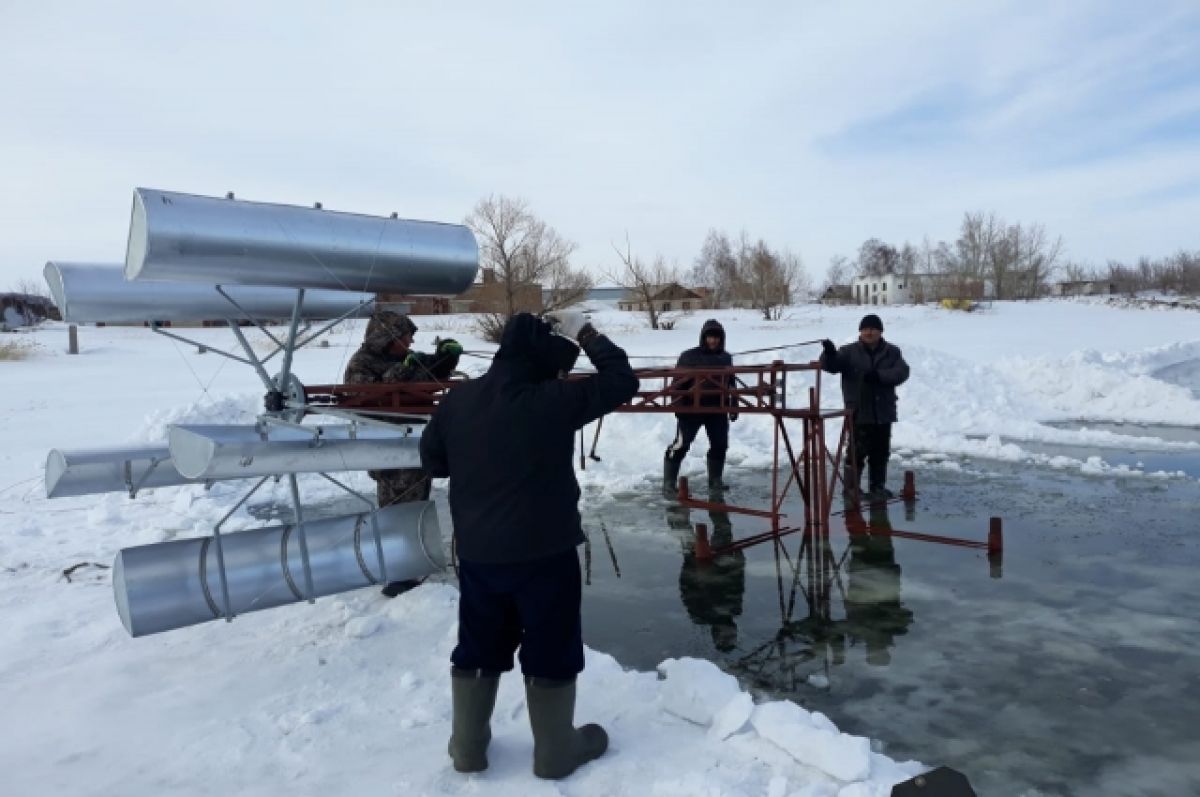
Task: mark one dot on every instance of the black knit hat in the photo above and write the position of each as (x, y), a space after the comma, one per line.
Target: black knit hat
(871, 321)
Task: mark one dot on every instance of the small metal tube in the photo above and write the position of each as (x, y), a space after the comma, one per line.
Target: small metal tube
(110, 470)
(238, 452)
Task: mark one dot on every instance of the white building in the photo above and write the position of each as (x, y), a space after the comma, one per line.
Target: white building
(885, 289)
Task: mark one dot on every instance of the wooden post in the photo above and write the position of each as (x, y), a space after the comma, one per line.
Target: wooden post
(72, 339)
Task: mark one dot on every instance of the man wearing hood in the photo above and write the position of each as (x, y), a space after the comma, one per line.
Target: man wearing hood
(381, 358)
(505, 441)
(709, 354)
(871, 370)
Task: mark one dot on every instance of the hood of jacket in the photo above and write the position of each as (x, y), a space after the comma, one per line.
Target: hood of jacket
(530, 351)
(712, 326)
(384, 328)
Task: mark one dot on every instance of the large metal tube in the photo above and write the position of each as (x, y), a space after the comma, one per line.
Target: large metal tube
(174, 584)
(188, 238)
(109, 470)
(90, 292)
(237, 452)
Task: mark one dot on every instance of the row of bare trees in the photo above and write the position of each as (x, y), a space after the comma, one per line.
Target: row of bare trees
(1016, 261)
(519, 250)
(1177, 273)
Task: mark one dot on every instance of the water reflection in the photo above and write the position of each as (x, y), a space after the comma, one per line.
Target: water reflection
(711, 590)
(831, 600)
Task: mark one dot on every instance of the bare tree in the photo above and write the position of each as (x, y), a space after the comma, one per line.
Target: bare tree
(876, 258)
(643, 281)
(716, 268)
(564, 287)
(838, 273)
(771, 278)
(521, 252)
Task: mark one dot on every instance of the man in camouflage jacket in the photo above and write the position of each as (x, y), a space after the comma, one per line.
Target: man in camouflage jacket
(380, 358)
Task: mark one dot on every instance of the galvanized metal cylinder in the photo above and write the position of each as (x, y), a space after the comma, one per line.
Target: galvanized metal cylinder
(174, 584)
(236, 452)
(90, 292)
(109, 470)
(188, 238)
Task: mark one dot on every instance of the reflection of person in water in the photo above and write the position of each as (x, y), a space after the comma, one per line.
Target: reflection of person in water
(712, 591)
(874, 614)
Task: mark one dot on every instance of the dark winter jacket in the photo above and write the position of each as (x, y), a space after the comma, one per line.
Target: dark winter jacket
(871, 402)
(506, 441)
(703, 357)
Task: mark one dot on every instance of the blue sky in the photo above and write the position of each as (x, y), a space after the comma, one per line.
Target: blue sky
(812, 124)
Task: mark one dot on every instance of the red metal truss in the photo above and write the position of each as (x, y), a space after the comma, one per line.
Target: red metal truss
(801, 458)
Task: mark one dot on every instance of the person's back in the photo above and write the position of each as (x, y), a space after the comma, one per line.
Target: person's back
(505, 441)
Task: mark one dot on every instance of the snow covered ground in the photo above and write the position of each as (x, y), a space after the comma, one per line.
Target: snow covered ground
(351, 695)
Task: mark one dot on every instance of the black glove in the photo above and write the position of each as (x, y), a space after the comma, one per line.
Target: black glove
(733, 416)
(871, 377)
(828, 348)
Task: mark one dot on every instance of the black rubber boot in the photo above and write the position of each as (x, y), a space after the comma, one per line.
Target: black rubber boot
(670, 478)
(559, 748)
(474, 697)
(716, 473)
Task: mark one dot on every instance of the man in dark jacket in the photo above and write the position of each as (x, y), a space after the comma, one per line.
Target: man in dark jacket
(871, 369)
(387, 345)
(506, 441)
(709, 354)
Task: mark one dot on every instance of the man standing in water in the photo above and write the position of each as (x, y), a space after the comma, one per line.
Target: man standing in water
(871, 369)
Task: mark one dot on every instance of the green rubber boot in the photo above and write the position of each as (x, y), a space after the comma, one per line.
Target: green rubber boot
(559, 748)
(474, 697)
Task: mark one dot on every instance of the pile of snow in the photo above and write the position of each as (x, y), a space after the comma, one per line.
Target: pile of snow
(351, 695)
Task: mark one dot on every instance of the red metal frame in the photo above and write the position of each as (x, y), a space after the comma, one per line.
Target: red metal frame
(746, 389)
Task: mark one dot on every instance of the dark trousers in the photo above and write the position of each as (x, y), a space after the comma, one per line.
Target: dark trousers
(531, 605)
(688, 426)
(872, 446)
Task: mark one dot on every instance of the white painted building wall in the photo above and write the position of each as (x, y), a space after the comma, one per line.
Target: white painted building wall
(887, 289)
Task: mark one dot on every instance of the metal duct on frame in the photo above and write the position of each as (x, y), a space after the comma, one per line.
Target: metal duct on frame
(174, 584)
(110, 470)
(188, 238)
(99, 292)
(237, 452)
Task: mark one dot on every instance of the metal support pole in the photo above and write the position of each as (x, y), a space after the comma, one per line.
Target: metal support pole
(72, 339)
(156, 328)
(247, 315)
(290, 349)
(253, 360)
(308, 581)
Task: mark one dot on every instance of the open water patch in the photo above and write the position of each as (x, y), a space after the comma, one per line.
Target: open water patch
(1065, 669)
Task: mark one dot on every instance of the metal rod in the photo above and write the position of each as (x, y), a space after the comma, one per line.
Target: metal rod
(286, 370)
(333, 323)
(197, 344)
(308, 581)
(246, 313)
(134, 488)
(245, 344)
